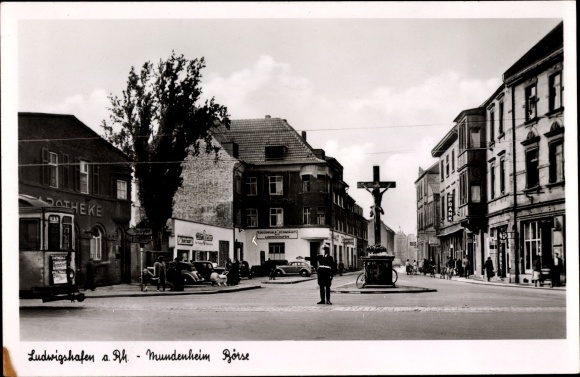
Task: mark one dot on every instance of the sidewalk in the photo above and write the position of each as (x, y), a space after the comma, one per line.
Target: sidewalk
(504, 282)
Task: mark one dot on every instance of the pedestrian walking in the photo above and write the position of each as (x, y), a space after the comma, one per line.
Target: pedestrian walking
(326, 270)
(537, 271)
(90, 275)
(459, 267)
(160, 273)
(414, 267)
(174, 274)
(450, 267)
(556, 270)
(466, 267)
(147, 278)
(489, 268)
(408, 267)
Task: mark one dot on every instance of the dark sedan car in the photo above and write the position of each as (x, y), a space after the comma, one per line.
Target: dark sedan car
(205, 269)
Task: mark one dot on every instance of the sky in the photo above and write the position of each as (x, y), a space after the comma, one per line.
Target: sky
(368, 88)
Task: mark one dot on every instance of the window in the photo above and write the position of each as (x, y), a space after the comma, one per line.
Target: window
(532, 176)
(491, 124)
(53, 235)
(275, 152)
(306, 215)
(500, 118)
(275, 185)
(96, 181)
(252, 217)
(251, 186)
(305, 183)
(556, 90)
(442, 171)
(492, 181)
(532, 244)
(447, 165)
(475, 193)
(121, 189)
(96, 251)
(53, 170)
(531, 100)
(276, 217)
(320, 217)
(502, 176)
(276, 251)
(238, 185)
(557, 162)
(463, 188)
(29, 234)
(84, 177)
(67, 233)
(453, 160)
(322, 185)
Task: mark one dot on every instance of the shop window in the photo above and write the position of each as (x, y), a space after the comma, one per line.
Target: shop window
(251, 186)
(252, 217)
(532, 244)
(276, 187)
(276, 217)
(532, 174)
(276, 251)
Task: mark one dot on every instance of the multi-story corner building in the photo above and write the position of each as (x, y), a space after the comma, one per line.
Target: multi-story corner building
(534, 97)
(65, 163)
(267, 195)
(428, 213)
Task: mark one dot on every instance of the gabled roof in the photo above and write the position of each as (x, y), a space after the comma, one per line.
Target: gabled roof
(253, 136)
(552, 43)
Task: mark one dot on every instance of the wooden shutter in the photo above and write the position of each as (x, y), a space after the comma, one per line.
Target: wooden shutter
(45, 167)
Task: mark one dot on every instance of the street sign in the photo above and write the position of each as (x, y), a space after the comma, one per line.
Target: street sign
(140, 239)
(374, 185)
(139, 232)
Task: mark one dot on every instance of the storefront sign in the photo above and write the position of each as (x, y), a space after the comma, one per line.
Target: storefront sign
(277, 234)
(348, 241)
(80, 208)
(58, 269)
(184, 240)
(449, 207)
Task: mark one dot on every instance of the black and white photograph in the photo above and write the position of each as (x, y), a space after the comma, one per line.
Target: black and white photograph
(289, 188)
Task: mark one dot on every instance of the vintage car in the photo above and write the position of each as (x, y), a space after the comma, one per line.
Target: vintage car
(205, 269)
(295, 267)
(264, 268)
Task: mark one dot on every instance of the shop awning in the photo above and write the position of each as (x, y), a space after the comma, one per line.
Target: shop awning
(450, 230)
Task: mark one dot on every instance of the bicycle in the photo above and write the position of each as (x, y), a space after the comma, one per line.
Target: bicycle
(361, 279)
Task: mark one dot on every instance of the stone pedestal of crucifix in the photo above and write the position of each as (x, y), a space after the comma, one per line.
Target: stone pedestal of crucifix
(378, 264)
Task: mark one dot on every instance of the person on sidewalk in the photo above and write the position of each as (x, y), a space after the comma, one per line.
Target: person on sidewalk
(537, 270)
(489, 268)
(90, 275)
(326, 270)
(466, 267)
(147, 278)
(556, 270)
(450, 267)
(159, 268)
(459, 266)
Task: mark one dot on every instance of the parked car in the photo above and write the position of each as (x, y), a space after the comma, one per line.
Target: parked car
(295, 267)
(264, 268)
(205, 269)
(188, 273)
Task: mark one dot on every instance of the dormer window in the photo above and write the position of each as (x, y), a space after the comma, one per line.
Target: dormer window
(275, 152)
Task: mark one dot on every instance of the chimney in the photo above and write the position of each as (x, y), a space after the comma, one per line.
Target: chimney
(268, 117)
(304, 135)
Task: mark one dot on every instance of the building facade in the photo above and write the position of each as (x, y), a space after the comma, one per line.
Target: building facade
(387, 236)
(65, 163)
(428, 213)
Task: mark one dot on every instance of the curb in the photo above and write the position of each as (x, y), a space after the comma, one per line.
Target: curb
(294, 281)
(170, 293)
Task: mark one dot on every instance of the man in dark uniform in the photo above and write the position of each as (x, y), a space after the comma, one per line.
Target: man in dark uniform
(326, 270)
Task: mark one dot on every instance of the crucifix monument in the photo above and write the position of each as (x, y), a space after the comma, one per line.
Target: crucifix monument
(376, 211)
(378, 265)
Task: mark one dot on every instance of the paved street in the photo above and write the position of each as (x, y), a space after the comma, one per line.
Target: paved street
(456, 310)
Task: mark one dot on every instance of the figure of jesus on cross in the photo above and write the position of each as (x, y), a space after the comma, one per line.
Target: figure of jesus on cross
(376, 185)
